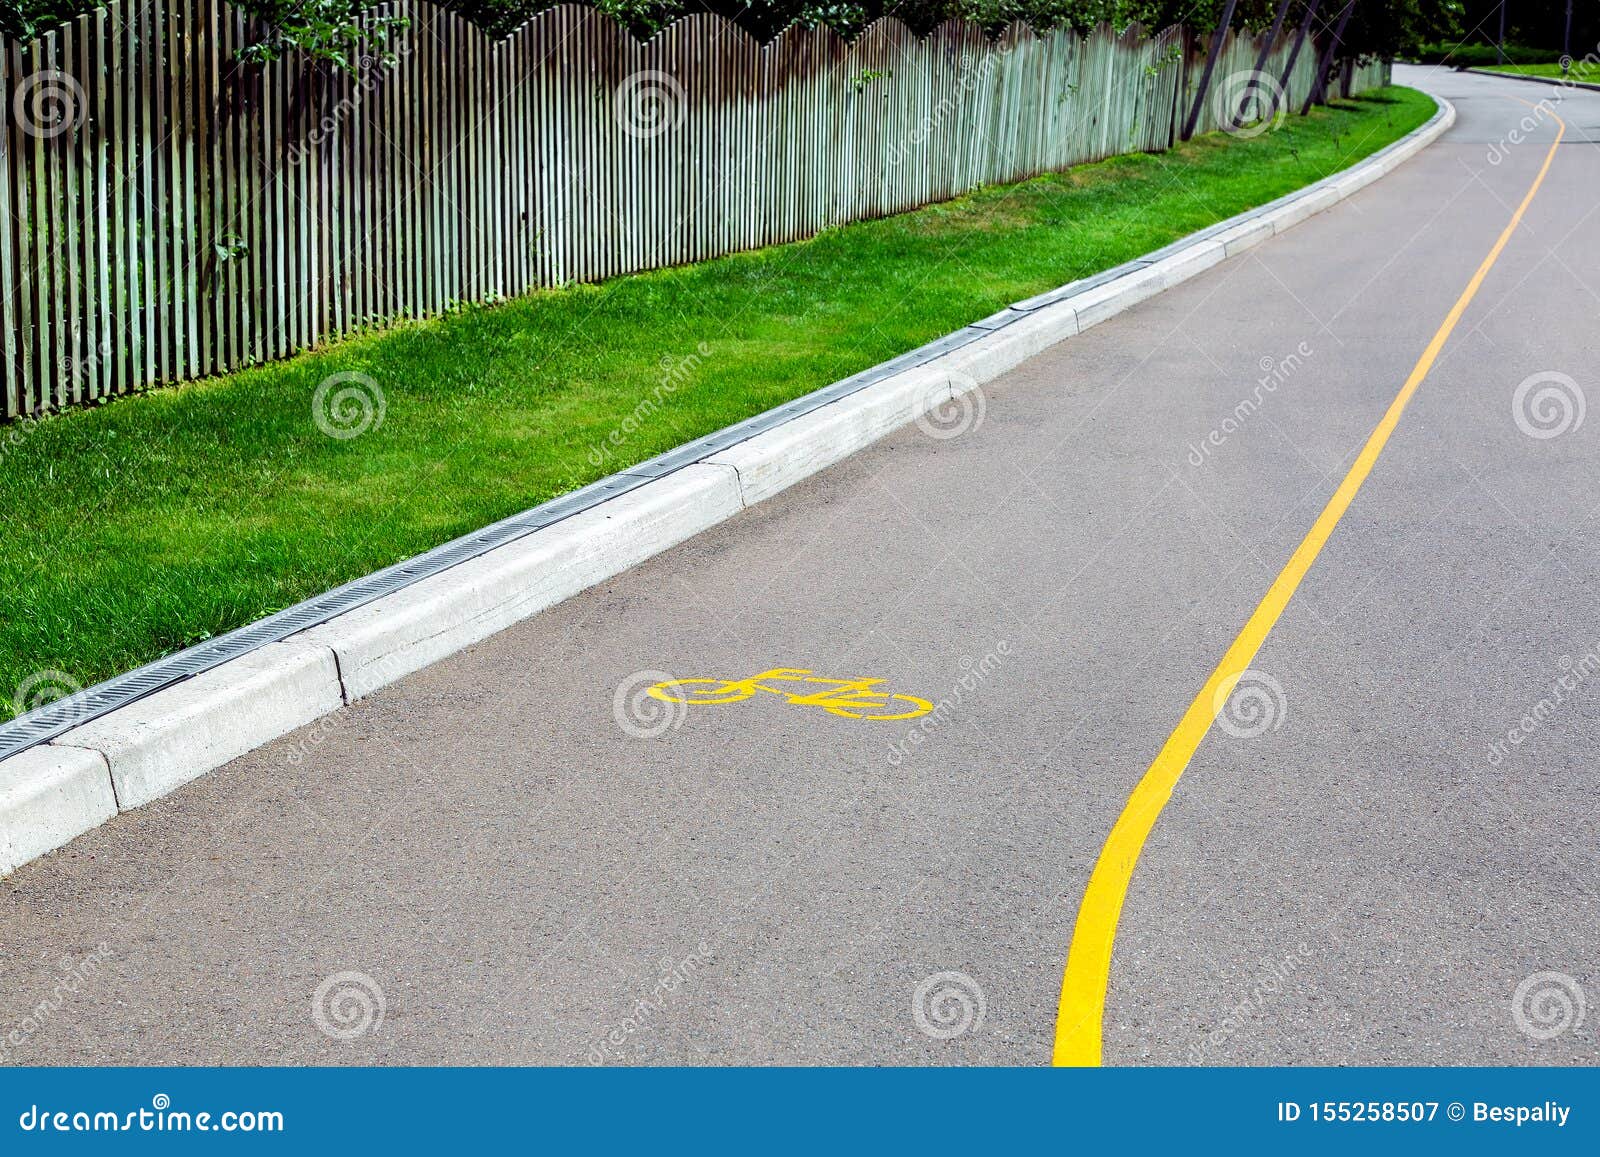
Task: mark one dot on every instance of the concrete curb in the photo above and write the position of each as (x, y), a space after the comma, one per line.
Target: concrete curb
(47, 796)
(141, 751)
(1554, 82)
(394, 636)
(160, 743)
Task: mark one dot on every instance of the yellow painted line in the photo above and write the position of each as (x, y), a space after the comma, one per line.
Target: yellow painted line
(1083, 988)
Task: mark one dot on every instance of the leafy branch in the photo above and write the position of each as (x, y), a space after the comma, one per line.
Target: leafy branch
(343, 33)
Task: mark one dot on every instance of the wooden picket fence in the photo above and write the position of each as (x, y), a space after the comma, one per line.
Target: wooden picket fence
(170, 213)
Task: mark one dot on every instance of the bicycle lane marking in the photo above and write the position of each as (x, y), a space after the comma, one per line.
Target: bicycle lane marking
(1081, 1011)
(847, 698)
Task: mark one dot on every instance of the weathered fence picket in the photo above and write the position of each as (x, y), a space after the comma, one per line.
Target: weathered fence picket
(168, 212)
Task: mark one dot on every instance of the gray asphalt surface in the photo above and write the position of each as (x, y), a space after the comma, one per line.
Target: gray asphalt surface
(524, 882)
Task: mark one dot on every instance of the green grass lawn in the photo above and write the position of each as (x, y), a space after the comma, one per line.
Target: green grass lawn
(143, 526)
(1586, 71)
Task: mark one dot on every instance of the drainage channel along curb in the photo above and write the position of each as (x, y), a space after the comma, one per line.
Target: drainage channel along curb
(74, 764)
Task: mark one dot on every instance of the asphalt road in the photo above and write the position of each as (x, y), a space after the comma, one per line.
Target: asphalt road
(1356, 876)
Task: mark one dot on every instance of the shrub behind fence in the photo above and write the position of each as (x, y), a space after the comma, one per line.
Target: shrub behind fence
(170, 213)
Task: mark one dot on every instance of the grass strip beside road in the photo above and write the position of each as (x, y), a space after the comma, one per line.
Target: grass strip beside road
(140, 527)
(1586, 72)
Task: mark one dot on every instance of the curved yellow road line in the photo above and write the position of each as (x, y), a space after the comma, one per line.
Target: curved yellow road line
(1083, 988)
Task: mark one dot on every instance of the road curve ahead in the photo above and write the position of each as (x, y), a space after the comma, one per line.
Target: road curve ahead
(1382, 850)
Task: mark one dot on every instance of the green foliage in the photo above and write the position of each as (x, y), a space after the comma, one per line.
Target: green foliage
(24, 19)
(340, 32)
(330, 30)
(1166, 60)
(1586, 71)
(1432, 29)
(764, 19)
(324, 27)
(1476, 55)
(336, 30)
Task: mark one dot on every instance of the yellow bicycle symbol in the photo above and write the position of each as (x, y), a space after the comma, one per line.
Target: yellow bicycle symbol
(850, 698)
